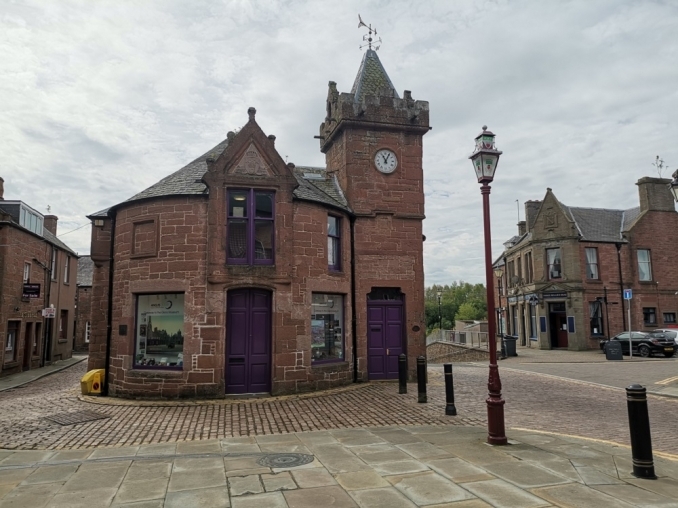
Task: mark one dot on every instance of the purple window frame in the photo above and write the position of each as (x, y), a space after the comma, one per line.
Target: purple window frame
(335, 241)
(250, 258)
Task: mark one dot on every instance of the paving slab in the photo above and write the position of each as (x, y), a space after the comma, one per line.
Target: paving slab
(664, 486)
(196, 463)
(387, 497)
(639, 496)
(240, 447)
(458, 470)
(158, 449)
(92, 498)
(50, 474)
(376, 454)
(524, 475)
(338, 459)
(101, 477)
(15, 476)
(193, 447)
(278, 481)
(422, 449)
(153, 503)
(144, 490)
(26, 458)
(146, 470)
(428, 488)
(216, 497)
(30, 496)
(310, 478)
(400, 467)
(240, 463)
(285, 448)
(103, 453)
(501, 494)
(576, 495)
(268, 500)
(591, 476)
(198, 479)
(333, 496)
(361, 480)
(478, 453)
(397, 436)
(242, 485)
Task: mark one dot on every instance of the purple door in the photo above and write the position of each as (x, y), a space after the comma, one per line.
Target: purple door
(248, 341)
(384, 338)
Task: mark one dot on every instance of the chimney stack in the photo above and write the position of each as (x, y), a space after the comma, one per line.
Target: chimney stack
(655, 195)
(2, 189)
(50, 223)
(522, 228)
(531, 210)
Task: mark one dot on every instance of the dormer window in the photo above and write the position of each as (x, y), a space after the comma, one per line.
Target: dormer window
(250, 227)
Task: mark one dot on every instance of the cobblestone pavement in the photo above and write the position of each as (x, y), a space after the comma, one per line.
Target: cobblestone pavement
(534, 402)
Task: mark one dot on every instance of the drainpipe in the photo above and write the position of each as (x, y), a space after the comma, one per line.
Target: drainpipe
(354, 319)
(109, 318)
(621, 285)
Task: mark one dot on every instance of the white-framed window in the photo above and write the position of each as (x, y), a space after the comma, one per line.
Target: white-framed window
(27, 273)
(596, 318)
(554, 263)
(644, 265)
(10, 342)
(88, 330)
(67, 269)
(592, 263)
(53, 264)
(650, 316)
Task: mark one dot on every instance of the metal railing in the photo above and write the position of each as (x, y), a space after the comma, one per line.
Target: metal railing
(466, 338)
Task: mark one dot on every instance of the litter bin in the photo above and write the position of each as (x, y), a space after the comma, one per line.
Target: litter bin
(91, 383)
(510, 345)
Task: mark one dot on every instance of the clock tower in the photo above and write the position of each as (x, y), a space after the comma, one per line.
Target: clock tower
(372, 141)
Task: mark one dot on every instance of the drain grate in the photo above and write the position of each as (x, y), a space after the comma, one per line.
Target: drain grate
(285, 460)
(75, 418)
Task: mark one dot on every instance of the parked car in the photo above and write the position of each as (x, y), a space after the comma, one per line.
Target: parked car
(644, 344)
(670, 333)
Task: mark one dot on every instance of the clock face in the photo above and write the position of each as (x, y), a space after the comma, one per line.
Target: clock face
(386, 161)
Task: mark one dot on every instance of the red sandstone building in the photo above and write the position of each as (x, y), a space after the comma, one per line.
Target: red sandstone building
(242, 274)
(83, 300)
(565, 272)
(37, 271)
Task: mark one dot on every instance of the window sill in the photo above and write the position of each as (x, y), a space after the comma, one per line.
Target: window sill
(647, 282)
(594, 281)
(156, 372)
(335, 273)
(330, 365)
(62, 341)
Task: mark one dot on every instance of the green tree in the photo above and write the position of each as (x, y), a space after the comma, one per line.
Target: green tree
(453, 297)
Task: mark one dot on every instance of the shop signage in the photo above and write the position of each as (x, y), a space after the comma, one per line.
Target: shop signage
(31, 291)
(555, 294)
(49, 312)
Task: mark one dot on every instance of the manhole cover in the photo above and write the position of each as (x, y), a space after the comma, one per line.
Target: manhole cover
(285, 460)
(74, 418)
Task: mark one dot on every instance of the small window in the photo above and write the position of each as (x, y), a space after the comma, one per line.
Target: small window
(67, 269)
(554, 263)
(250, 227)
(644, 265)
(10, 342)
(650, 316)
(88, 330)
(592, 263)
(327, 328)
(669, 317)
(529, 273)
(333, 243)
(27, 273)
(53, 264)
(596, 318)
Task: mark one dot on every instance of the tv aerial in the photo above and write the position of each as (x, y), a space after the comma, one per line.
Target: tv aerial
(368, 36)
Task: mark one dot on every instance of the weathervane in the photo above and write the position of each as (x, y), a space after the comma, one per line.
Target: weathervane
(368, 36)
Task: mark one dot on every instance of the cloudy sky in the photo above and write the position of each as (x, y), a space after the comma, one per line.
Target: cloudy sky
(99, 100)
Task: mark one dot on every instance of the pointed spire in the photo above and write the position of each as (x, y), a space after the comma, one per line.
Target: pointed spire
(372, 78)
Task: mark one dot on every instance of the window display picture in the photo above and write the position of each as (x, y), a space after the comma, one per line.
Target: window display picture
(160, 331)
(327, 335)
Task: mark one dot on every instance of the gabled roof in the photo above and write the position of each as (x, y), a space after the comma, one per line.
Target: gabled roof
(316, 185)
(186, 181)
(55, 241)
(85, 271)
(372, 78)
(597, 224)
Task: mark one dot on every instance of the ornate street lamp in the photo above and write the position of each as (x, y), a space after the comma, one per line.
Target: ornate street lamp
(673, 186)
(485, 159)
(440, 314)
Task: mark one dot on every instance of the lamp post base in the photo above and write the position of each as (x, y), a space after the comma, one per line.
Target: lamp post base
(496, 433)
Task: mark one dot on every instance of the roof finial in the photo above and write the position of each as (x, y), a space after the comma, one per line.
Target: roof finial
(368, 36)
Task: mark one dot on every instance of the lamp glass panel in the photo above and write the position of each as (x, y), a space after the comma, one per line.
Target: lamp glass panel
(489, 165)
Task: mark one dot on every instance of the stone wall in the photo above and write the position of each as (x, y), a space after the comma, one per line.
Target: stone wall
(445, 352)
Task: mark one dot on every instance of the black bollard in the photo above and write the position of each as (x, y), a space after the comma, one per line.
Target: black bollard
(402, 373)
(421, 378)
(639, 425)
(450, 409)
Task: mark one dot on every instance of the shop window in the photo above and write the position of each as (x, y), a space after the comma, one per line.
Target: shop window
(650, 316)
(554, 263)
(250, 227)
(592, 263)
(10, 341)
(333, 243)
(159, 331)
(327, 328)
(644, 265)
(596, 318)
(533, 321)
(669, 317)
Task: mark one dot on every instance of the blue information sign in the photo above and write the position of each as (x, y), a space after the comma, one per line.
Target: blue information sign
(628, 294)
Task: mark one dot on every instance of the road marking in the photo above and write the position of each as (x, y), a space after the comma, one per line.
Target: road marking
(667, 381)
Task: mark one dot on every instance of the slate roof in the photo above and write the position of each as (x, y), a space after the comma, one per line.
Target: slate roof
(372, 78)
(597, 224)
(85, 271)
(323, 188)
(630, 217)
(316, 185)
(185, 181)
(55, 241)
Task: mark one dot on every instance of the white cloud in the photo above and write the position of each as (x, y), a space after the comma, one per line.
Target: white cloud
(102, 99)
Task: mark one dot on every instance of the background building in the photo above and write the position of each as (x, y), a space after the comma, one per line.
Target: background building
(241, 273)
(566, 270)
(37, 271)
(83, 300)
